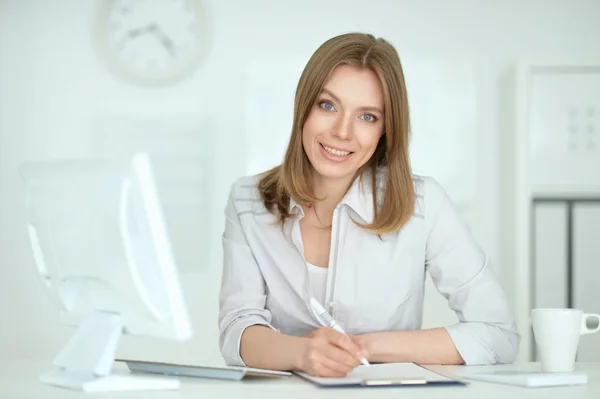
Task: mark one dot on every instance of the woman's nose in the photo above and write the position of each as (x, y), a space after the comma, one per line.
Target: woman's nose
(342, 128)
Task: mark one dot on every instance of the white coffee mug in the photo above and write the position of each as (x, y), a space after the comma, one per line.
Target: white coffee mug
(556, 333)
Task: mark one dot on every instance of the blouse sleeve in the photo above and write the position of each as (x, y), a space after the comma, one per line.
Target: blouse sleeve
(486, 332)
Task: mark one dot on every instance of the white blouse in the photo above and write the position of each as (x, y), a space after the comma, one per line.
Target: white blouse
(372, 283)
(318, 281)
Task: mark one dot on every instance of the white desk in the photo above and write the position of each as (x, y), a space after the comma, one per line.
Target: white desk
(20, 380)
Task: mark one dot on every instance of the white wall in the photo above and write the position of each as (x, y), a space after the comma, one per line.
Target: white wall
(53, 91)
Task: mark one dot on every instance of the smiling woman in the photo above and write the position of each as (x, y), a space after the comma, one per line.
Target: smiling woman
(341, 133)
(343, 220)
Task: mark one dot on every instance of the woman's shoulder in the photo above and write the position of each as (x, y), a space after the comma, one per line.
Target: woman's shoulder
(430, 197)
(425, 185)
(244, 196)
(246, 187)
(429, 193)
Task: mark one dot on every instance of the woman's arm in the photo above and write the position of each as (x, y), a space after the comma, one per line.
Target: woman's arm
(242, 296)
(432, 346)
(324, 352)
(486, 332)
(261, 347)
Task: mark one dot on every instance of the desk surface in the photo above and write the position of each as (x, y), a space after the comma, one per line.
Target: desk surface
(19, 379)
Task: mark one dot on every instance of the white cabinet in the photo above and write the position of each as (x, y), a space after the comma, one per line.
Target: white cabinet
(551, 188)
(550, 256)
(586, 271)
(566, 261)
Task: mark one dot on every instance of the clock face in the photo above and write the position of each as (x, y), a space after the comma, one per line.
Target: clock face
(150, 41)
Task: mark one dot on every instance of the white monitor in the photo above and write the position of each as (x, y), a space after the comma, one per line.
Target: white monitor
(101, 247)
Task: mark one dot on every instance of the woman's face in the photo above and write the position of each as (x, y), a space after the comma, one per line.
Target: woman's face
(345, 124)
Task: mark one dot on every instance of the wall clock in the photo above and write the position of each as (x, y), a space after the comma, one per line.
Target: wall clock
(150, 41)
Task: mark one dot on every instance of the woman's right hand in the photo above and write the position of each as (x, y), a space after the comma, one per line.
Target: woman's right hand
(329, 353)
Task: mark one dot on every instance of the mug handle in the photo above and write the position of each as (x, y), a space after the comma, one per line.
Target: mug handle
(584, 327)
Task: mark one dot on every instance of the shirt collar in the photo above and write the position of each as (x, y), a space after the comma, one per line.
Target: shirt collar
(359, 198)
(295, 209)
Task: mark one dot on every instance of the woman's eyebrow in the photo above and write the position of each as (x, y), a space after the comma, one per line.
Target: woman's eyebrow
(337, 99)
(327, 91)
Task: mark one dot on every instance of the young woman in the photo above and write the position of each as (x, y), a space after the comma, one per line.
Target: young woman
(345, 221)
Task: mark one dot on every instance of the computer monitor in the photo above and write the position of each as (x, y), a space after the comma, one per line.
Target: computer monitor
(100, 243)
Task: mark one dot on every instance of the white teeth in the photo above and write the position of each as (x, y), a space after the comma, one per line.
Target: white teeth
(333, 151)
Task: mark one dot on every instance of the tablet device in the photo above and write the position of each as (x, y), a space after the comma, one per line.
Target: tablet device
(531, 379)
(214, 372)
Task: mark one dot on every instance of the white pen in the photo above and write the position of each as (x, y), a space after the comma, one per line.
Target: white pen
(327, 321)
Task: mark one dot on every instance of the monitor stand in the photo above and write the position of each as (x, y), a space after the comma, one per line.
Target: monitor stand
(86, 361)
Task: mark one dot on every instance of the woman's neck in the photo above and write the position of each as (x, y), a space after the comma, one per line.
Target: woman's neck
(332, 190)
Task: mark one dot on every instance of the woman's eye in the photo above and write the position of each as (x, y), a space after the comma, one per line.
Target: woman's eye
(368, 117)
(327, 106)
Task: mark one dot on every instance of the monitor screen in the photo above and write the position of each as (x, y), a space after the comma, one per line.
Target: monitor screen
(99, 241)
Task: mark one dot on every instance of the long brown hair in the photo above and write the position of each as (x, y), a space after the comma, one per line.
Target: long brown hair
(292, 178)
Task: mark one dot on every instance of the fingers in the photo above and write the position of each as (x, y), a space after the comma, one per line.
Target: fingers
(324, 361)
(329, 368)
(321, 370)
(325, 358)
(332, 354)
(341, 356)
(361, 343)
(338, 339)
(344, 342)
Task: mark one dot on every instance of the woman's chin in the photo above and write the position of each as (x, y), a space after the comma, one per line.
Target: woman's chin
(335, 172)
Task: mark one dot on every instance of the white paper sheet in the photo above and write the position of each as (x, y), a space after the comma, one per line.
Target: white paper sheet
(394, 372)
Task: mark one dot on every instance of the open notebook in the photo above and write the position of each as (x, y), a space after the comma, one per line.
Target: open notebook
(389, 374)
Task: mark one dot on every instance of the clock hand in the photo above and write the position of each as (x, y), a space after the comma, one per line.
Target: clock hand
(163, 38)
(132, 34)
